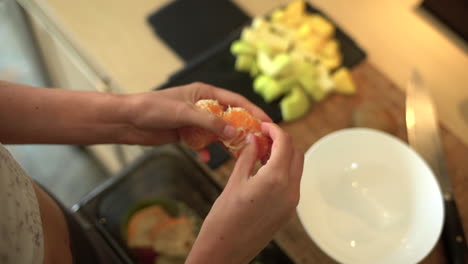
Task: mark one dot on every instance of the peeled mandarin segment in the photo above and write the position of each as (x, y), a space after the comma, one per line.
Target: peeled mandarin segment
(245, 123)
(237, 117)
(141, 223)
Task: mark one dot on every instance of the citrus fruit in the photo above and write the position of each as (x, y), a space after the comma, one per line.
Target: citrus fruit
(238, 117)
(245, 123)
(141, 223)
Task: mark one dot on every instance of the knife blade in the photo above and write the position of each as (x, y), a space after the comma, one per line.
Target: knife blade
(423, 137)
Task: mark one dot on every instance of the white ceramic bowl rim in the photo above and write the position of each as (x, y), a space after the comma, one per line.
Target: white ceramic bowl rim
(366, 197)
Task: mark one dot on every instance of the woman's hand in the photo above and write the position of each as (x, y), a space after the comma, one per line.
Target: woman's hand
(156, 116)
(252, 207)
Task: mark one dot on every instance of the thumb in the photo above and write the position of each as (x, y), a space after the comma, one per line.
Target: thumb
(211, 122)
(247, 159)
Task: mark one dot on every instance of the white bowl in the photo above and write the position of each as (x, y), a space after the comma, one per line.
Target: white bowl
(366, 197)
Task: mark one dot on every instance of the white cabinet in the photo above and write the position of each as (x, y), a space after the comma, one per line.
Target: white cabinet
(69, 70)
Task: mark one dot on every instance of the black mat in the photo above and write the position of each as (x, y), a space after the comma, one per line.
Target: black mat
(190, 27)
(453, 13)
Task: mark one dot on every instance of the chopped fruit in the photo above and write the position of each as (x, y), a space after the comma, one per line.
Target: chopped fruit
(261, 82)
(294, 105)
(276, 66)
(321, 26)
(265, 63)
(343, 81)
(174, 238)
(330, 48)
(312, 43)
(239, 47)
(277, 15)
(331, 63)
(311, 85)
(139, 233)
(237, 117)
(294, 12)
(246, 124)
(244, 62)
(292, 47)
(276, 88)
(272, 91)
(254, 70)
(196, 137)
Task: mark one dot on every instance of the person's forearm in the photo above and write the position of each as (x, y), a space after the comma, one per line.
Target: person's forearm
(55, 116)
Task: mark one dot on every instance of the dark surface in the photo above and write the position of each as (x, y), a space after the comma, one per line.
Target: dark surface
(453, 13)
(190, 27)
(453, 235)
(166, 173)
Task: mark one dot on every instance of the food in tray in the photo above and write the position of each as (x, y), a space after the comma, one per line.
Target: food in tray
(161, 232)
(289, 50)
(239, 118)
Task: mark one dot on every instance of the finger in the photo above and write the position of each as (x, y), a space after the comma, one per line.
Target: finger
(246, 161)
(226, 97)
(204, 155)
(282, 148)
(297, 166)
(214, 124)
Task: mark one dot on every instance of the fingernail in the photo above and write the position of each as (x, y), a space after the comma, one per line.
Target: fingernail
(229, 132)
(249, 138)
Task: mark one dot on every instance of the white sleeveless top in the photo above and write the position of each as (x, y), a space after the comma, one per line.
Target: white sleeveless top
(21, 234)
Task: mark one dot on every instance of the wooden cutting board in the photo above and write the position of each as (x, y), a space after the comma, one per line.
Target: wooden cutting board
(336, 113)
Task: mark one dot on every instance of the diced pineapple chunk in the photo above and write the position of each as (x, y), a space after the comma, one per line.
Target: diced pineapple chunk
(312, 43)
(331, 63)
(330, 48)
(321, 26)
(343, 81)
(295, 9)
(277, 15)
(259, 23)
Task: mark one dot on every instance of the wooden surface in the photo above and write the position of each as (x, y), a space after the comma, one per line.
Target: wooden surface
(336, 113)
(114, 37)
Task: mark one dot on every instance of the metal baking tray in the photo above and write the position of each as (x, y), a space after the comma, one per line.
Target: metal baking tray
(167, 172)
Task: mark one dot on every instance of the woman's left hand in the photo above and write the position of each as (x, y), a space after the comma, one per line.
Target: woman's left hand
(156, 116)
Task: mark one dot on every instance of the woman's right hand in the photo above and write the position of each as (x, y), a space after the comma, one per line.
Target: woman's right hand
(252, 208)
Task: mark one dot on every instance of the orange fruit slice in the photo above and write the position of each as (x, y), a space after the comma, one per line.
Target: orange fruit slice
(245, 123)
(142, 223)
(175, 237)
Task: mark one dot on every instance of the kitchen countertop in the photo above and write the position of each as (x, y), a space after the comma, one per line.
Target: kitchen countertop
(114, 37)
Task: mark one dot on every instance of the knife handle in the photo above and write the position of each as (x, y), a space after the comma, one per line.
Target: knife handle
(453, 236)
